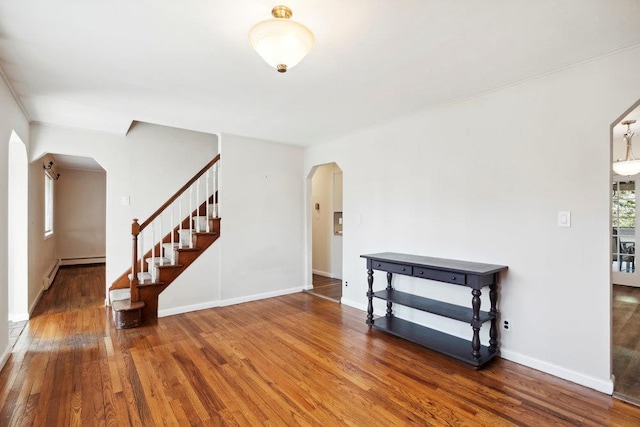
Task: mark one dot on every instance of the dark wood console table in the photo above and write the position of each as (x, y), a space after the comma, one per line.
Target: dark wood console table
(473, 275)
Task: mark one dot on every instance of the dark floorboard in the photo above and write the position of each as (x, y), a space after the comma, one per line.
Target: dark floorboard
(327, 287)
(626, 341)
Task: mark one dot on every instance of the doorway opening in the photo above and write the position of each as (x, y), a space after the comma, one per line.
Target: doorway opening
(326, 231)
(17, 238)
(625, 278)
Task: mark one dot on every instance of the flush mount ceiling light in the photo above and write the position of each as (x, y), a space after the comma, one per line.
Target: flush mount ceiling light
(629, 166)
(282, 43)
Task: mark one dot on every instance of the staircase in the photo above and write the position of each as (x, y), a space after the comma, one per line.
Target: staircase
(134, 295)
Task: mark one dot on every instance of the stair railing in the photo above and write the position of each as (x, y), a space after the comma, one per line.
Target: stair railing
(155, 232)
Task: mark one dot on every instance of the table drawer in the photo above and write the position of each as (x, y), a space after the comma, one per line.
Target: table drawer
(391, 267)
(442, 276)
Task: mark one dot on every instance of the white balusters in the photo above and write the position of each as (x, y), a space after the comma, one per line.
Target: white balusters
(190, 217)
(141, 240)
(171, 225)
(180, 223)
(216, 210)
(154, 243)
(198, 205)
(152, 267)
(206, 180)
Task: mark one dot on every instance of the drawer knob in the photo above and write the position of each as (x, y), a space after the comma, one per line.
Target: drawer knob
(403, 269)
(378, 265)
(422, 272)
(453, 277)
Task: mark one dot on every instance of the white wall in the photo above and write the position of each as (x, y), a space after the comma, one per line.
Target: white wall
(80, 214)
(262, 218)
(483, 180)
(42, 250)
(322, 219)
(149, 165)
(11, 119)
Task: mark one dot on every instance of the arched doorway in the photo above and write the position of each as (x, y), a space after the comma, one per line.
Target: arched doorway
(625, 278)
(326, 231)
(17, 237)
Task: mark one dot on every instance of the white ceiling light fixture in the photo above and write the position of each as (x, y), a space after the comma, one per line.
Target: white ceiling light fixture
(629, 166)
(282, 43)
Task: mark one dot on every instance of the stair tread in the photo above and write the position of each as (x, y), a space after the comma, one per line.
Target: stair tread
(157, 260)
(126, 305)
(169, 266)
(149, 283)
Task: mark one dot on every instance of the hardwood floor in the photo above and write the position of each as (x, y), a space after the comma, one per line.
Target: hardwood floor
(626, 341)
(327, 287)
(291, 360)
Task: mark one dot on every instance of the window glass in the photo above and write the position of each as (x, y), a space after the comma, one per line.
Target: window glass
(48, 206)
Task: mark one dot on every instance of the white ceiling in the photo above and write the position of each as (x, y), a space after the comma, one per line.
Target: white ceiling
(101, 64)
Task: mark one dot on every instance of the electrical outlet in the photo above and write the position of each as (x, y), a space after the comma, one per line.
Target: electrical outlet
(346, 283)
(506, 326)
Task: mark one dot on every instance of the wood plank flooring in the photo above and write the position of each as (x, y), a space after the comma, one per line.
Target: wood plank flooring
(327, 287)
(291, 360)
(626, 341)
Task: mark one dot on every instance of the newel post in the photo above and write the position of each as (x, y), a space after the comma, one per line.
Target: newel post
(135, 230)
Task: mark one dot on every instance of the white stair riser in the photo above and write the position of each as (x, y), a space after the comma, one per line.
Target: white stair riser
(168, 250)
(119, 294)
(184, 237)
(200, 223)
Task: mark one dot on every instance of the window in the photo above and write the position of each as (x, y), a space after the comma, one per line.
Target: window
(48, 206)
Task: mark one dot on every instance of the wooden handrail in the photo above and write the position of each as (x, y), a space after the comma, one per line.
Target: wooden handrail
(176, 195)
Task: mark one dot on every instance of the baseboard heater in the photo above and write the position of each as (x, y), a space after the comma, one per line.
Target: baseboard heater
(83, 260)
(50, 275)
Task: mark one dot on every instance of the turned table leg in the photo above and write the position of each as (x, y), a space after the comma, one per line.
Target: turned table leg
(475, 341)
(389, 288)
(493, 331)
(370, 297)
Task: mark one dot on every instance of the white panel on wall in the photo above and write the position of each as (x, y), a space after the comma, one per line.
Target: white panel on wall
(262, 217)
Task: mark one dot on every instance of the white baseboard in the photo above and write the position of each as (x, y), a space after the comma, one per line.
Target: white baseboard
(35, 303)
(604, 386)
(50, 275)
(323, 273)
(188, 308)
(355, 304)
(20, 317)
(256, 297)
(5, 356)
(224, 303)
(83, 260)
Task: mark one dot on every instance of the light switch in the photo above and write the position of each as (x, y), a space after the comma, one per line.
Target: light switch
(564, 219)
(125, 200)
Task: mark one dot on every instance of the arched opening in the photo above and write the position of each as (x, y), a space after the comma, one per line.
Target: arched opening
(625, 278)
(17, 237)
(326, 223)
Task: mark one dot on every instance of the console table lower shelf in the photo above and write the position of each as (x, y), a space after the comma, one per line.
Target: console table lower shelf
(435, 340)
(459, 273)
